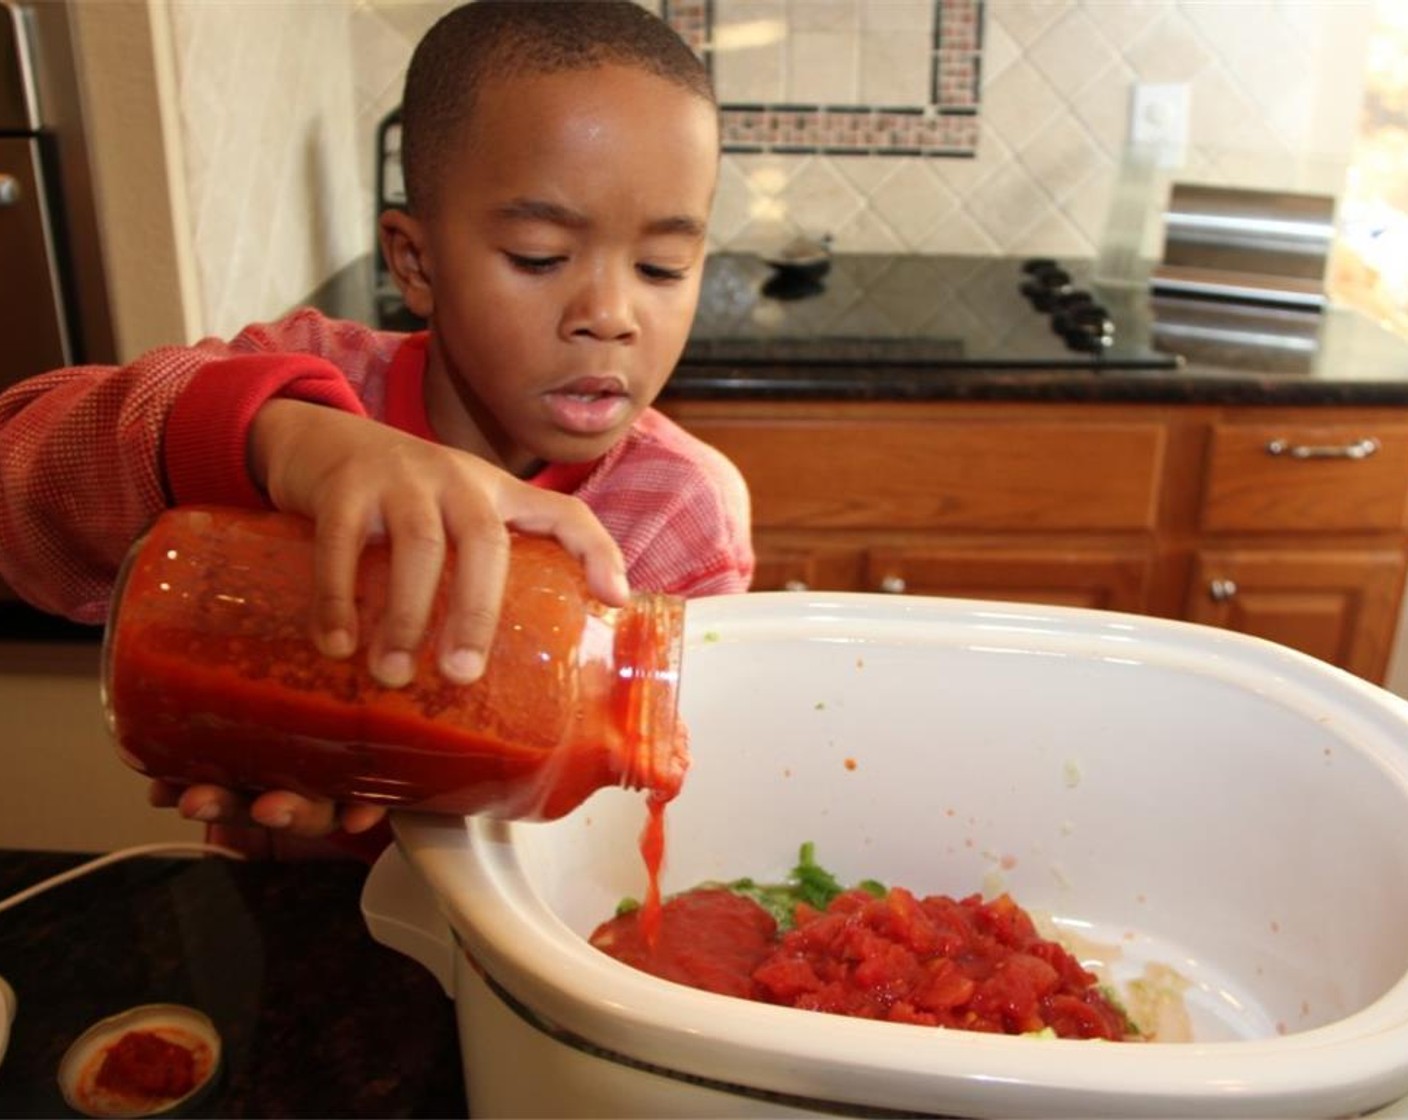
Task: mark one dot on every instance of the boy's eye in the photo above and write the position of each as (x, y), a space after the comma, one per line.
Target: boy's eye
(660, 272)
(534, 264)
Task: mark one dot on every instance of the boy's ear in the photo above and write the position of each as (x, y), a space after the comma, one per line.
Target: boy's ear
(403, 249)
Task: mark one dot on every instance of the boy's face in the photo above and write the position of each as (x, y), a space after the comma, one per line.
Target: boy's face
(560, 265)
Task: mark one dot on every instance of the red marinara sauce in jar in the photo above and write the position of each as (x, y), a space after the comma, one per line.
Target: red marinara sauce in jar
(210, 675)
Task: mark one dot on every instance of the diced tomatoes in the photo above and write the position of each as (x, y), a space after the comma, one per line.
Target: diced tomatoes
(936, 961)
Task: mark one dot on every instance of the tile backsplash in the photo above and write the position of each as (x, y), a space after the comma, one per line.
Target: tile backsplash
(1030, 112)
(840, 77)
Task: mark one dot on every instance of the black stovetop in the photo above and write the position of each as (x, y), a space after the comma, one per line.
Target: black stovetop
(939, 311)
(907, 326)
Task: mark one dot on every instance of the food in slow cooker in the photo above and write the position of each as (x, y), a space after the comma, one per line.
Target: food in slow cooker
(872, 952)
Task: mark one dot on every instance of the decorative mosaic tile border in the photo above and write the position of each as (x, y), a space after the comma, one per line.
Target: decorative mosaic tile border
(947, 126)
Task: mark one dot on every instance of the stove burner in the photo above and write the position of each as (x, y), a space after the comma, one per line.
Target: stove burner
(1047, 282)
(1075, 315)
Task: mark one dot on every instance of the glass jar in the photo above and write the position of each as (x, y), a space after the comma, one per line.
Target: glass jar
(210, 674)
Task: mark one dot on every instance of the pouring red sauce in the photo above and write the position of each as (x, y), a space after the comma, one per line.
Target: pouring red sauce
(211, 676)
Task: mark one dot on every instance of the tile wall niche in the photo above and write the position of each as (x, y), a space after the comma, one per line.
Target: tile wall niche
(1026, 103)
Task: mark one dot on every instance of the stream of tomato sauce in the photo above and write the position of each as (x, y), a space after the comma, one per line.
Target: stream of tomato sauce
(652, 850)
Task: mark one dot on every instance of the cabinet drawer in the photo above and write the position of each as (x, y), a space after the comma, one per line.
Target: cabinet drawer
(1104, 578)
(1298, 477)
(970, 474)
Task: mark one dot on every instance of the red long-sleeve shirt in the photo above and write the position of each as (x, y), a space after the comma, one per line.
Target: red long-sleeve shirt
(90, 455)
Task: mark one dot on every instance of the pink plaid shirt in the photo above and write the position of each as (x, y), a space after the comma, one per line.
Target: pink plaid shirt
(90, 455)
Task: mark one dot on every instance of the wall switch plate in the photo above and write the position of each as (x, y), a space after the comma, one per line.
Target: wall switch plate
(1159, 122)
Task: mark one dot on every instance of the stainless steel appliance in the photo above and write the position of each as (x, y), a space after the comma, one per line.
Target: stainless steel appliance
(1246, 246)
(53, 304)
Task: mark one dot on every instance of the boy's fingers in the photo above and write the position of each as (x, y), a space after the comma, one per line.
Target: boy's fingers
(278, 810)
(577, 529)
(288, 812)
(212, 805)
(417, 538)
(336, 552)
(360, 818)
(476, 591)
(163, 795)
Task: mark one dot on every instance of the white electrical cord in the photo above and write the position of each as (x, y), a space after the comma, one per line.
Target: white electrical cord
(189, 847)
(7, 993)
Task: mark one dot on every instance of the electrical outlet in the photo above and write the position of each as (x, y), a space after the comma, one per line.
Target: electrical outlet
(1159, 122)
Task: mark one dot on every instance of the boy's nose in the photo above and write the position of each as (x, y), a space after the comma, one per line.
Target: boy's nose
(602, 309)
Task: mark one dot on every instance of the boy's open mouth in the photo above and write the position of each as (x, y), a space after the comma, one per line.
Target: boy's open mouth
(588, 406)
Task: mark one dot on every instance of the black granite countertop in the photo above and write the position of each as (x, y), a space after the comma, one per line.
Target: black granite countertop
(316, 1018)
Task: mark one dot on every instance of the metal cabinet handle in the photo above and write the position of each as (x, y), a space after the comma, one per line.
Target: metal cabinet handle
(795, 585)
(1222, 590)
(893, 585)
(9, 189)
(1359, 449)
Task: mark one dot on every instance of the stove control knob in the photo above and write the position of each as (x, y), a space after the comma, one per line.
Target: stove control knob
(1046, 287)
(1085, 326)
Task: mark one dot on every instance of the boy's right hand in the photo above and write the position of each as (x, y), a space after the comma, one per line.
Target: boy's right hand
(360, 480)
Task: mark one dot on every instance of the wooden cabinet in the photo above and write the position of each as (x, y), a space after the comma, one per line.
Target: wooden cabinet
(1291, 524)
(1302, 540)
(1340, 606)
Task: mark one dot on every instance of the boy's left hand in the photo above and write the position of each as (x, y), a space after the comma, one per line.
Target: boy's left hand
(276, 810)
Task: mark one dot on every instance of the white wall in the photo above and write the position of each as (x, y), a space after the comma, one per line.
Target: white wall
(125, 82)
(62, 785)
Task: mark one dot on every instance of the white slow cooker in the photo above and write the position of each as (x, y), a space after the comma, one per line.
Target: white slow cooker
(1190, 808)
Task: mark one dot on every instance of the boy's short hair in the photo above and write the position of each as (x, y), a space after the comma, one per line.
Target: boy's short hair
(492, 39)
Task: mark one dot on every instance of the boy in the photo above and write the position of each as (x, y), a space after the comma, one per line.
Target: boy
(560, 161)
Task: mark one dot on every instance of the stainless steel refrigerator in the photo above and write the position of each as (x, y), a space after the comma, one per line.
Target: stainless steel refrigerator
(53, 300)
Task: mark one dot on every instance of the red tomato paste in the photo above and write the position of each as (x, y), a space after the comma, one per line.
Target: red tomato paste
(143, 1064)
(936, 961)
(709, 938)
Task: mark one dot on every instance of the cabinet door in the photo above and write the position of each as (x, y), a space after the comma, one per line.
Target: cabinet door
(802, 565)
(1338, 606)
(1105, 578)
